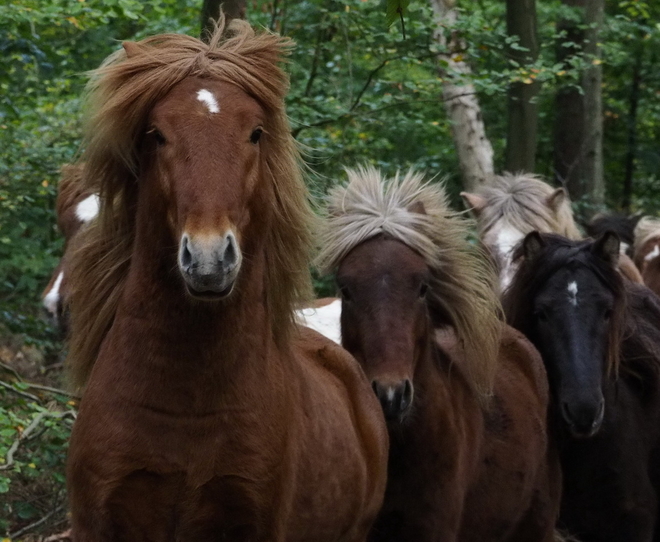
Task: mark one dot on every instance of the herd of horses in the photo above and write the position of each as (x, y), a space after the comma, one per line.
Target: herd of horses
(506, 391)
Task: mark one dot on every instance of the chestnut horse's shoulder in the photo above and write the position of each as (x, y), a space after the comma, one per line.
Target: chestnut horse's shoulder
(516, 349)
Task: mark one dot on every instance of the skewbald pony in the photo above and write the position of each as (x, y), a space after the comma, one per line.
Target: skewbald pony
(417, 213)
(120, 95)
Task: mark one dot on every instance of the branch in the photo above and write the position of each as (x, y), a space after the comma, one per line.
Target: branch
(31, 526)
(19, 392)
(9, 459)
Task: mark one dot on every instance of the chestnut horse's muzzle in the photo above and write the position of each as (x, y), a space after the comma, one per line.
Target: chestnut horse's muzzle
(209, 264)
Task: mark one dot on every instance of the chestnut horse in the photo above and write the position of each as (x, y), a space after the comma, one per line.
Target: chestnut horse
(75, 206)
(208, 414)
(599, 337)
(511, 206)
(646, 252)
(465, 396)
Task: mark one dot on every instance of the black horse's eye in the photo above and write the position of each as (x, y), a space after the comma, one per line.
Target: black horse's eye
(256, 135)
(541, 315)
(423, 290)
(345, 294)
(158, 136)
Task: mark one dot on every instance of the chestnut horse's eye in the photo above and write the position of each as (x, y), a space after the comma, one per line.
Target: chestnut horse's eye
(158, 136)
(256, 135)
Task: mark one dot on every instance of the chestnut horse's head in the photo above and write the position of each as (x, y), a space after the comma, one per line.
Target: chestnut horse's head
(404, 266)
(189, 148)
(203, 148)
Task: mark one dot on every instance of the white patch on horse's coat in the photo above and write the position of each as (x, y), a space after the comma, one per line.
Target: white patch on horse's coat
(572, 293)
(325, 320)
(623, 247)
(208, 100)
(507, 239)
(52, 298)
(88, 209)
(653, 254)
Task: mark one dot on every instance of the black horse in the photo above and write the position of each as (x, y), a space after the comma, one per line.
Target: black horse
(600, 341)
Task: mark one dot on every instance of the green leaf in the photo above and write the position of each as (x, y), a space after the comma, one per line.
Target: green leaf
(396, 10)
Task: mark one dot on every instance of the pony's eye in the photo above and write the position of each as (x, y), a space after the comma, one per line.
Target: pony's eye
(158, 136)
(541, 315)
(345, 294)
(256, 135)
(423, 290)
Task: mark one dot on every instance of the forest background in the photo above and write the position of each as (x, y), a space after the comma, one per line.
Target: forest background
(568, 89)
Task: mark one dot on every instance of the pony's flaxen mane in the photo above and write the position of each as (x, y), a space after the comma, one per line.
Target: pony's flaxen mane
(647, 228)
(416, 213)
(521, 200)
(121, 94)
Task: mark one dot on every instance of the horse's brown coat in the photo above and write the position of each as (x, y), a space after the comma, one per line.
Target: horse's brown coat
(208, 420)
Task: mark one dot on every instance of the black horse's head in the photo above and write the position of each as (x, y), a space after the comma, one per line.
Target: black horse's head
(568, 298)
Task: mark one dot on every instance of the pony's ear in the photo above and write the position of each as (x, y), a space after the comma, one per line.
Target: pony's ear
(474, 202)
(555, 200)
(417, 207)
(532, 245)
(607, 247)
(132, 48)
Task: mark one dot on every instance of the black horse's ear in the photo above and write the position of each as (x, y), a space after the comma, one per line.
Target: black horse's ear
(607, 247)
(532, 245)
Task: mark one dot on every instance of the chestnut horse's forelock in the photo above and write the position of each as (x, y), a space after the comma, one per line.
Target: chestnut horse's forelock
(120, 96)
(417, 213)
(520, 200)
(557, 253)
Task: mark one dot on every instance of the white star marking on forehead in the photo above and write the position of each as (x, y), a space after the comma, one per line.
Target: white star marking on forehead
(653, 254)
(208, 100)
(88, 208)
(572, 293)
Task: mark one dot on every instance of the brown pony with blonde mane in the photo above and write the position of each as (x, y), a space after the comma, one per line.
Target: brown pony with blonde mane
(465, 396)
(208, 413)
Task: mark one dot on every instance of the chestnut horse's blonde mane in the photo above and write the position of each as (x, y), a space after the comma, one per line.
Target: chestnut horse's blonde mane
(121, 94)
(521, 200)
(417, 213)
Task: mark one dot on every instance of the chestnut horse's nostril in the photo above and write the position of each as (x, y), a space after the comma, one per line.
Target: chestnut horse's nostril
(186, 256)
(406, 396)
(230, 256)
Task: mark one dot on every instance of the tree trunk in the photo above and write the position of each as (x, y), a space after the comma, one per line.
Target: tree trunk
(233, 9)
(522, 109)
(578, 150)
(631, 152)
(475, 153)
(592, 84)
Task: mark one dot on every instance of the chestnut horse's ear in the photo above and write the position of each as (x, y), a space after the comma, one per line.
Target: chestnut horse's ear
(532, 245)
(607, 247)
(555, 200)
(417, 207)
(132, 48)
(474, 202)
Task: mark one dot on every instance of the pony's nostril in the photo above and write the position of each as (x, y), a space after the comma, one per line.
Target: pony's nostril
(186, 255)
(374, 386)
(230, 256)
(406, 396)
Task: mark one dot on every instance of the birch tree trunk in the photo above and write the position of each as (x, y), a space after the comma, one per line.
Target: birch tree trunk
(522, 109)
(475, 153)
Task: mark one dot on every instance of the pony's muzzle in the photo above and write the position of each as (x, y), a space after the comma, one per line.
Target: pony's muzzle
(395, 399)
(209, 264)
(584, 418)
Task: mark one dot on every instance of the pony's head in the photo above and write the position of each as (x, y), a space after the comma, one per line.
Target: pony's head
(404, 266)
(189, 146)
(510, 207)
(646, 248)
(569, 299)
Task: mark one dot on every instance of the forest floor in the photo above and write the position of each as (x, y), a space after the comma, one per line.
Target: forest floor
(36, 416)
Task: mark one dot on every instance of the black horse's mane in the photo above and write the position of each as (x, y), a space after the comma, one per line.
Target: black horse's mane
(634, 338)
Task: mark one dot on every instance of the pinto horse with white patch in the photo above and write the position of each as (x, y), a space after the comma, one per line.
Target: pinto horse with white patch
(646, 252)
(465, 396)
(208, 414)
(75, 206)
(599, 336)
(511, 206)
